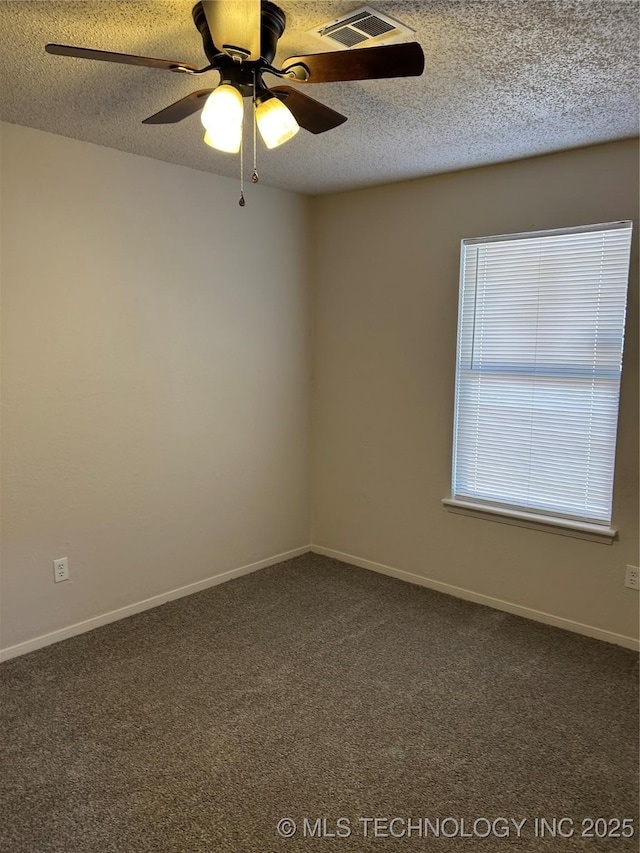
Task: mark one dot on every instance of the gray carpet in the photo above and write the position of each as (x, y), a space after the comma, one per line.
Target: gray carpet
(312, 690)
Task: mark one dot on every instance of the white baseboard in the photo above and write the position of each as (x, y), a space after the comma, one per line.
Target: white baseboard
(139, 606)
(459, 592)
(479, 598)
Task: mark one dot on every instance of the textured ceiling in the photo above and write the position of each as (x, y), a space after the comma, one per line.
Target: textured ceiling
(504, 79)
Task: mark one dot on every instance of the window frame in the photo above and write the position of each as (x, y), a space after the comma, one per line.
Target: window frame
(503, 511)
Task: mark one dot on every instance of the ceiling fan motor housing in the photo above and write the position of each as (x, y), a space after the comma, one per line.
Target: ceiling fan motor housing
(272, 24)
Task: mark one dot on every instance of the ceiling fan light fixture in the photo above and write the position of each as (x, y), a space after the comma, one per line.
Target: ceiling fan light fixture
(275, 122)
(222, 117)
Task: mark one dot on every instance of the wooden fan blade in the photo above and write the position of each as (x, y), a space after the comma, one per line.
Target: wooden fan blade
(234, 23)
(123, 58)
(309, 113)
(181, 109)
(365, 63)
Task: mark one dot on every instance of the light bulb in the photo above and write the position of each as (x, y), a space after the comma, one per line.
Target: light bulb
(275, 122)
(222, 117)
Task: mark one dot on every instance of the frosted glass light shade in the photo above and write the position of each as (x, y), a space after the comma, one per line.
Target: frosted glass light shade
(225, 139)
(275, 122)
(222, 117)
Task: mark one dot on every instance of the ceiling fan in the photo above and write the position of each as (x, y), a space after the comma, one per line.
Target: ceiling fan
(240, 39)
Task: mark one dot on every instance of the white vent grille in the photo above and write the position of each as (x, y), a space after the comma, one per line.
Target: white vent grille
(365, 27)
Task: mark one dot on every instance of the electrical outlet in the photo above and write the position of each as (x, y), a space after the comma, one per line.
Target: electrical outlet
(60, 570)
(632, 577)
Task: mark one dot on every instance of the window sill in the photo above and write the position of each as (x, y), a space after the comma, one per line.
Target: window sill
(548, 524)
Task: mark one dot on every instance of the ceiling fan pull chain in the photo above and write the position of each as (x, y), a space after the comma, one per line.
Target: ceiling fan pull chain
(254, 176)
(242, 202)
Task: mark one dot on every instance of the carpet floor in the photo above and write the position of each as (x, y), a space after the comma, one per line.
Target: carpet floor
(324, 696)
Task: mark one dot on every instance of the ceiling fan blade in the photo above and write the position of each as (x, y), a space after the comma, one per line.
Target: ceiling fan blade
(309, 113)
(123, 58)
(365, 63)
(181, 109)
(234, 23)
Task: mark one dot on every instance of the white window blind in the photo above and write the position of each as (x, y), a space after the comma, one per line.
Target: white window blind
(540, 337)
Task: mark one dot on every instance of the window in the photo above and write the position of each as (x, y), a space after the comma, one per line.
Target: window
(540, 337)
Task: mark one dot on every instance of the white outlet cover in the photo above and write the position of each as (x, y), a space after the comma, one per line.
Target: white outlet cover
(632, 577)
(60, 570)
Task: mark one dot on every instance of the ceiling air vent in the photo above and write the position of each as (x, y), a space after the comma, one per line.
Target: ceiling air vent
(366, 27)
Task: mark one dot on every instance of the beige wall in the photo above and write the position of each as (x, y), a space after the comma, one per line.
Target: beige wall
(155, 380)
(155, 358)
(386, 264)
